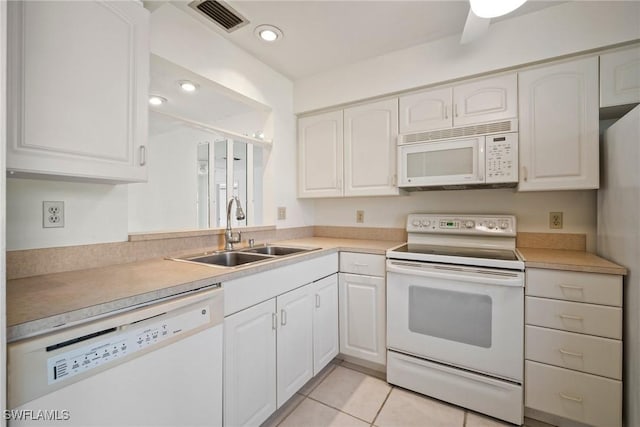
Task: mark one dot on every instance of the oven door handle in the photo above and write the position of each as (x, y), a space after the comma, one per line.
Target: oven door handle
(460, 273)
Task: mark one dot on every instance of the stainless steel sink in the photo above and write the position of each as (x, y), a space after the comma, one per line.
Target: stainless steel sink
(229, 259)
(276, 250)
(244, 256)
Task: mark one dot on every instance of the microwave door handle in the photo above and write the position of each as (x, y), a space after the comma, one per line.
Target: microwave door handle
(456, 273)
(481, 160)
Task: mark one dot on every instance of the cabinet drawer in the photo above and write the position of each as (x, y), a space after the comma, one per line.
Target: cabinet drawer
(581, 397)
(575, 286)
(574, 317)
(367, 264)
(595, 355)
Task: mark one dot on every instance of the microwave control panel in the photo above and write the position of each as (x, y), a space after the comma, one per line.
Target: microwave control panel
(501, 158)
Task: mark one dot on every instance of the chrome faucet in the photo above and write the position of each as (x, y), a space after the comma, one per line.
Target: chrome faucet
(229, 236)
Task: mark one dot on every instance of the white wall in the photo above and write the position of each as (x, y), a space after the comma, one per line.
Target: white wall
(531, 209)
(94, 213)
(192, 45)
(168, 200)
(564, 29)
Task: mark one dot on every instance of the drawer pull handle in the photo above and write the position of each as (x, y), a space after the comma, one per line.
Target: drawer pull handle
(570, 353)
(571, 317)
(283, 317)
(274, 321)
(575, 288)
(571, 398)
(357, 264)
(317, 301)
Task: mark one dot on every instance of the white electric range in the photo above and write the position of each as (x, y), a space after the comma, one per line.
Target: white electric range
(455, 312)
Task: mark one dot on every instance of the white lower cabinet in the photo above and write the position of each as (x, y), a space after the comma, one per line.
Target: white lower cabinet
(295, 341)
(573, 347)
(273, 348)
(249, 365)
(325, 322)
(362, 317)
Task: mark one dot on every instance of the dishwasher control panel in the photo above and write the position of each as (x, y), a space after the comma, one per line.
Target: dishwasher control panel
(126, 340)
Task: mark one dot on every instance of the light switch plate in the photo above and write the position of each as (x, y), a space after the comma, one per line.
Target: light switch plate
(282, 213)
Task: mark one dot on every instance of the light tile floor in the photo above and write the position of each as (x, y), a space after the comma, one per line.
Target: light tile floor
(348, 395)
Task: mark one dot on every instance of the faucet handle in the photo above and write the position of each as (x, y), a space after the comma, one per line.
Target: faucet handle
(252, 243)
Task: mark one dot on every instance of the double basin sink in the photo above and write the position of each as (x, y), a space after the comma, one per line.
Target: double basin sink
(245, 256)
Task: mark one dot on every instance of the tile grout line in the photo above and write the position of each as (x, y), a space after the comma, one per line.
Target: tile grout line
(346, 413)
(382, 406)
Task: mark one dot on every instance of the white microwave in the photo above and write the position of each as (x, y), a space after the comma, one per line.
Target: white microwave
(479, 161)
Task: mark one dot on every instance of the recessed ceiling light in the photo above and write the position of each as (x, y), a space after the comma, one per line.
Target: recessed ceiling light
(188, 86)
(268, 33)
(157, 100)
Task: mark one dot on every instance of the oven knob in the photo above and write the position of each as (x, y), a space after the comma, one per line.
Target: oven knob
(504, 225)
(415, 223)
(491, 225)
(469, 224)
(426, 223)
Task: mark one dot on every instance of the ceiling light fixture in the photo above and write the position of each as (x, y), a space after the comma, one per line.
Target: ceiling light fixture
(494, 8)
(188, 86)
(157, 100)
(268, 33)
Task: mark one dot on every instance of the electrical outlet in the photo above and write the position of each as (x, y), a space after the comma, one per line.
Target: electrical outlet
(282, 213)
(555, 220)
(52, 214)
(360, 216)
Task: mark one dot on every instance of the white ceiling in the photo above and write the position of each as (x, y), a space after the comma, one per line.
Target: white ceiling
(321, 35)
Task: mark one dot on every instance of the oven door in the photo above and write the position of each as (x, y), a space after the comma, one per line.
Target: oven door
(454, 162)
(468, 317)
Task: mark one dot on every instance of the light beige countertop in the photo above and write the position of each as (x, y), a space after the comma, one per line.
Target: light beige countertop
(40, 304)
(556, 259)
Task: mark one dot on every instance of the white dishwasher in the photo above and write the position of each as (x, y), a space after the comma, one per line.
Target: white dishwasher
(160, 365)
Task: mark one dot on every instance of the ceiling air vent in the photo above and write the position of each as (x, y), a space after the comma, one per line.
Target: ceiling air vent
(220, 13)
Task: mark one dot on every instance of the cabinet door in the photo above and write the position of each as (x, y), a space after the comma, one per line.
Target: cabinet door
(362, 317)
(425, 111)
(250, 365)
(295, 341)
(559, 126)
(370, 133)
(79, 81)
(325, 322)
(320, 145)
(620, 77)
(487, 100)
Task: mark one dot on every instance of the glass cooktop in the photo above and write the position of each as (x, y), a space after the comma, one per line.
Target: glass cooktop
(499, 254)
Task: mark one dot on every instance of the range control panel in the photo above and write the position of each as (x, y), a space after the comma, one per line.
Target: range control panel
(501, 225)
(126, 340)
(501, 158)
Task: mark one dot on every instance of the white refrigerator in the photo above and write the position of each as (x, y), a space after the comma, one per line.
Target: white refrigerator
(619, 239)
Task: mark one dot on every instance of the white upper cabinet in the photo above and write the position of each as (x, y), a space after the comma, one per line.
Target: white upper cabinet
(357, 144)
(370, 133)
(320, 145)
(478, 101)
(487, 100)
(423, 111)
(78, 89)
(559, 126)
(620, 77)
